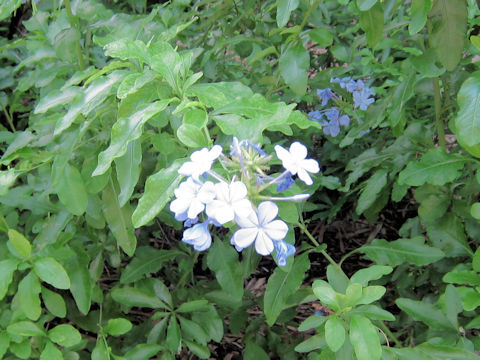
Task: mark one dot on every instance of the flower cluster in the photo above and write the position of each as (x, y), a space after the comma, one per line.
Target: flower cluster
(361, 95)
(206, 198)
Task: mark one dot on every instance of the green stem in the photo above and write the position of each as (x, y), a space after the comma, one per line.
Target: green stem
(317, 244)
(438, 109)
(183, 279)
(72, 19)
(9, 119)
(344, 257)
(387, 331)
(307, 15)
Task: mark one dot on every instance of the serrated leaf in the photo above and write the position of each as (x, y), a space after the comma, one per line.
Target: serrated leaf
(147, 260)
(467, 122)
(293, 65)
(425, 312)
(284, 9)
(412, 251)
(371, 21)
(223, 260)
(449, 31)
(281, 285)
(436, 167)
(52, 272)
(159, 189)
(119, 219)
(364, 338)
(126, 130)
(334, 333)
(373, 272)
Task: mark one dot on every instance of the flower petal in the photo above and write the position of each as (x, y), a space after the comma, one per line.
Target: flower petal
(282, 153)
(263, 244)
(310, 165)
(238, 190)
(267, 211)
(303, 175)
(276, 230)
(244, 237)
(298, 150)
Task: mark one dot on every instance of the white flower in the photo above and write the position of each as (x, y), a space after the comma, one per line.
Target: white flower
(191, 198)
(295, 162)
(198, 236)
(202, 161)
(230, 201)
(260, 228)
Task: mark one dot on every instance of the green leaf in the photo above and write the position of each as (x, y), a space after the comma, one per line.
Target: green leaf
(436, 167)
(426, 63)
(314, 342)
(452, 305)
(337, 278)
(254, 352)
(147, 260)
(28, 290)
(475, 210)
(370, 193)
(462, 277)
(100, 351)
(365, 5)
(402, 94)
(191, 306)
(364, 338)
(371, 21)
(447, 352)
(193, 330)
(475, 261)
(425, 312)
(65, 335)
(223, 260)
(4, 343)
(71, 190)
(448, 235)
(80, 281)
(128, 170)
(334, 333)
(326, 294)
(467, 122)
(25, 328)
(412, 251)
(159, 189)
(419, 9)
(50, 352)
(449, 31)
(52, 272)
(56, 97)
(210, 321)
(134, 82)
(191, 136)
(143, 352)
(130, 296)
(281, 285)
(284, 9)
(373, 272)
(19, 242)
(7, 7)
(126, 130)
(323, 37)
(313, 321)
(220, 94)
(54, 303)
(118, 326)
(174, 337)
(119, 219)
(293, 65)
(201, 351)
(7, 179)
(371, 294)
(373, 312)
(7, 268)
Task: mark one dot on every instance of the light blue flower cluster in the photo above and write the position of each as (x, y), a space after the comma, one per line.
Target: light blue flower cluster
(334, 119)
(208, 197)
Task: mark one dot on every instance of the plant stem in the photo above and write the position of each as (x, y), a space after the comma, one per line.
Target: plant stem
(438, 110)
(317, 244)
(72, 19)
(387, 331)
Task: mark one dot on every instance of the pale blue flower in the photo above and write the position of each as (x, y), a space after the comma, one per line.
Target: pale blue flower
(201, 162)
(342, 82)
(316, 115)
(362, 98)
(260, 228)
(230, 202)
(325, 95)
(198, 236)
(191, 198)
(294, 160)
(286, 184)
(332, 127)
(283, 251)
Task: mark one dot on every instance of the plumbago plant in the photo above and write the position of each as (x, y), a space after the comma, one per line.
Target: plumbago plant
(161, 191)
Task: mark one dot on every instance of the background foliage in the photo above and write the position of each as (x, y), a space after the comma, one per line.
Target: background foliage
(102, 102)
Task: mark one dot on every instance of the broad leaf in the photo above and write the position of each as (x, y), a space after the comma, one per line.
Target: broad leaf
(119, 219)
(370, 193)
(118, 326)
(449, 31)
(364, 338)
(128, 170)
(425, 312)
(334, 333)
(54, 302)
(130, 296)
(71, 190)
(365, 5)
(284, 9)
(7, 268)
(51, 352)
(467, 122)
(52, 272)
(28, 295)
(293, 65)
(7, 7)
(448, 235)
(65, 335)
(80, 280)
(393, 253)
(25, 328)
(159, 189)
(373, 272)
(19, 242)
(223, 260)
(143, 352)
(436, 167)
(254, 352)
(419, 9)
(371, 21)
